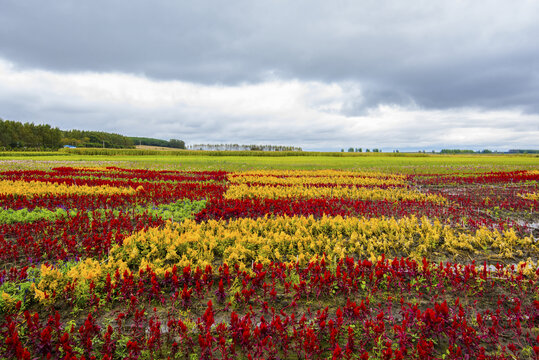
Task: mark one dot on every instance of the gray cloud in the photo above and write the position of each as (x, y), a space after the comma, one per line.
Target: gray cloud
(437, 54)
(313, 115)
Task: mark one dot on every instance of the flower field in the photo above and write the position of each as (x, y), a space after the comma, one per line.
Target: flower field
(125, 263)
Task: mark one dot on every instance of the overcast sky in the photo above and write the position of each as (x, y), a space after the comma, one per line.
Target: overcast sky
(325, 75)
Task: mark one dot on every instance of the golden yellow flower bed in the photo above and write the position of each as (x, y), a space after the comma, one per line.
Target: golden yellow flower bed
(301, 184)
(32, 188)
(530, 196)
(316, 177)
(302, 238)
(287, 239)
(244, 191)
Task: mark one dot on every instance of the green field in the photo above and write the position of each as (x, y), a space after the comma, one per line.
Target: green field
(403, 163)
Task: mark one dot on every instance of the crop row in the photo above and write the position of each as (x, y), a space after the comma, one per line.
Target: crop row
(36, 188)
(471, 206)
(243, 242)
(246, 191)
(509, 177)
(301, 239)
(386, 309)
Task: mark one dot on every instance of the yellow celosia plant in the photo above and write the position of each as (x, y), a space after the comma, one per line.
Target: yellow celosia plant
(286, 239)
(317, 177)
(530, 196)
(33, 188)
(243, 191)
(51, 282)
(291, 238)
(293, 184)
(328, 173)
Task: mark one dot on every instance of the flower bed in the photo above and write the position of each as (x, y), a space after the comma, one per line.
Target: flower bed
(114, 263)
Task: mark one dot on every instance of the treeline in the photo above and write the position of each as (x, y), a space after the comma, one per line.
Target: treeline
(237, 147)
(521, 151)
(16, 135)
(144, 152)
(172, 143)
(456, 151)
(459, 151)
(92, 139)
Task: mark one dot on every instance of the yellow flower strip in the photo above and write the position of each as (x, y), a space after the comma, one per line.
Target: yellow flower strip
(299, 239)
(244, 191)
(530, 196)
(305, 180)
(31, 188)
(287, 239)
(290, 175)
(327, 172)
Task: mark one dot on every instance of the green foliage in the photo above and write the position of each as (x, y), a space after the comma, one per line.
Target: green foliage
(177, 144)
(172, 143)
(148, 141)
(31, 153)
(98, 139)
(176, 211)
(520, 151)
(10, 216)
(27, 136)
(11, 293)
(16, 135)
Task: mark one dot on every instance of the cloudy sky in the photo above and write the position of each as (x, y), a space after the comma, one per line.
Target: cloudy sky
(323, 75)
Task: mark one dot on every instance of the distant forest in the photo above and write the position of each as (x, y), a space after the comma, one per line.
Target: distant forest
(172, 143)
(27, 136)
(236, 147)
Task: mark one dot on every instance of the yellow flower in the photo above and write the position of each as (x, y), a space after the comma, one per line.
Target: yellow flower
(33, 188)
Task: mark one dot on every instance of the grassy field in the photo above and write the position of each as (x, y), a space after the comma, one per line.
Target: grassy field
(405, 163)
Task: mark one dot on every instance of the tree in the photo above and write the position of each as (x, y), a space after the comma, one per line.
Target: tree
(177, 144)
(14, 134)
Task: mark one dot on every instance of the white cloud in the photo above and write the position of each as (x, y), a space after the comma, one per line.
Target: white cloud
(311, 114)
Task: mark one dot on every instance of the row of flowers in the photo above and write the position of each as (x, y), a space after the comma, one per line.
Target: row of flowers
(470, 206)
(37, 188)
(304, 238)
(386, 309)
(246, 191)
(291, 266)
